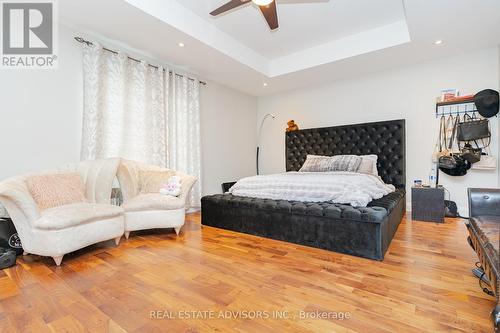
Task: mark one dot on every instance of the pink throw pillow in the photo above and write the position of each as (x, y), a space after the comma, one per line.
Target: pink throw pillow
(53, 190)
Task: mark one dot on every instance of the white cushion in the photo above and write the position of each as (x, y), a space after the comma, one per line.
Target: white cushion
(320, 163)
(150, 219)
(368, 165)
(66, 216)
(152, 201)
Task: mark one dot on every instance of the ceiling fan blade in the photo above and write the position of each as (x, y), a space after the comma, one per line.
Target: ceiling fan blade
(270, 14)
(228, 6)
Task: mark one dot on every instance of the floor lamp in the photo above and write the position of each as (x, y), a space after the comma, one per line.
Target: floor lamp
(269, 115)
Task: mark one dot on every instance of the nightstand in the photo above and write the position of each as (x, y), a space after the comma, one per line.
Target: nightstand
(227, 186)
(427, 204)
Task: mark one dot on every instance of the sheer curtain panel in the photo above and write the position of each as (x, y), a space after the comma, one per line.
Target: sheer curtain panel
(139, 112)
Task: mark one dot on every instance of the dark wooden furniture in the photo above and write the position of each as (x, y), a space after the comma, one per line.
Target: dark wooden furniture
(427, 204)
(484, 238)
(227, 186)
(360, 231)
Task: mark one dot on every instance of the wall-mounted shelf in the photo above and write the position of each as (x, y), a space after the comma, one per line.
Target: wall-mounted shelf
(457, 101)
(456, 107)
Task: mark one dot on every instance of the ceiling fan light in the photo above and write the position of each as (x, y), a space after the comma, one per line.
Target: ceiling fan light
(262, 2)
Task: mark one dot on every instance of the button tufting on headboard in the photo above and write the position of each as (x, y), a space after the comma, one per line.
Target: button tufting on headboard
(386, 139)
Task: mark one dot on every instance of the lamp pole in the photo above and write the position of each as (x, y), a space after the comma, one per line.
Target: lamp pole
(259, 137)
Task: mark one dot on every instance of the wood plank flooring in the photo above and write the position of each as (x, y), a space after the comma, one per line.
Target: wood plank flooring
(209, 280)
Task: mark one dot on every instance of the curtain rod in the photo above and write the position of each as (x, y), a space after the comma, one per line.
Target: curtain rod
(83, 41)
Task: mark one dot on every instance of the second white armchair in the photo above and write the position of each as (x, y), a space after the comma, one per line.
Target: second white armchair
(151, 210)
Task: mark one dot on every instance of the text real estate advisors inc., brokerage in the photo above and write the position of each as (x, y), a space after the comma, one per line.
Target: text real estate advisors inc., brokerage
(249, 314)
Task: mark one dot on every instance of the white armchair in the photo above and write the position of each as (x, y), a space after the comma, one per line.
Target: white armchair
(151, 210)
(57, 231)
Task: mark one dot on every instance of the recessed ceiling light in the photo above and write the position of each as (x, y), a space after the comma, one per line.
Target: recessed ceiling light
(438, 42)
(181, 44)
(262, 2)
(265, 84)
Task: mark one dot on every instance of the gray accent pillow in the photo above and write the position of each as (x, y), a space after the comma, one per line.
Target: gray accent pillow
(368, 165)
(316, 163)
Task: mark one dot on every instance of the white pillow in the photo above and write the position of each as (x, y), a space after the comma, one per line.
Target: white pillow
(368, 165)
(318, 163)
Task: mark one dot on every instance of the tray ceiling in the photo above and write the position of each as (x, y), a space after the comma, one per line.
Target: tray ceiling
(303, 24)
(317, 41)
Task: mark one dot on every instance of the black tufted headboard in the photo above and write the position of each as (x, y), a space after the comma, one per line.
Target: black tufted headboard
(386, 139)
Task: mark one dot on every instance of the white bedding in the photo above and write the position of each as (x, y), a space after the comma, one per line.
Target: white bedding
(355, 189)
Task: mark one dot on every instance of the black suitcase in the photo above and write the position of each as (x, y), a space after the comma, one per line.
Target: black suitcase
(8, 236)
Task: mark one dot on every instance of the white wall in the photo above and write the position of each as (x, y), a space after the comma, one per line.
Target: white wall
(228, 136)
(41, 113)
(408, 93)
(41, 120)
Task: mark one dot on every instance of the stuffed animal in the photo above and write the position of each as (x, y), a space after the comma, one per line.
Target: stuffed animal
(172, 187)
(292, 126)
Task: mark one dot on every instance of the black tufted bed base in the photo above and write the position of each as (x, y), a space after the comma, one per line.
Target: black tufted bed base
(364, 232)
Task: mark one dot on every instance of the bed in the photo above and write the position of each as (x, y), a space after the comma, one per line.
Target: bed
(360, 231)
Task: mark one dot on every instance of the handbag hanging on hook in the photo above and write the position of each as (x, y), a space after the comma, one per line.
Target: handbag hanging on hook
(473, 129)
(471, 154)
(487, 162)
(453, 164)
(444, 135)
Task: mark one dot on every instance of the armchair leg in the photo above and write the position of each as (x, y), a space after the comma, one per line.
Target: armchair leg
(117, 240)
(177, 230)
(58, 260)
(127, 234)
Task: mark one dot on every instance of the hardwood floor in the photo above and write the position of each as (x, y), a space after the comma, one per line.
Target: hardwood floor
(423, 285)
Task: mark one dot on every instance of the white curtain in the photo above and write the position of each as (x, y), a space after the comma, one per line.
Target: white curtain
(138, 112)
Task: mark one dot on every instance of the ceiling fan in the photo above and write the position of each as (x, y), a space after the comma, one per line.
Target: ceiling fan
(267, 7)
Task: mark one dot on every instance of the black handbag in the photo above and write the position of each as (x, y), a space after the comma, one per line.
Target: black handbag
(450, 209)
(473, 129)
(461, 166)
(447, 162)
(473, 155)
(7, 258)
(9, 238)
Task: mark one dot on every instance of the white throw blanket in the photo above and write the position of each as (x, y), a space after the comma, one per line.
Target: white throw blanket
(355, 189)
